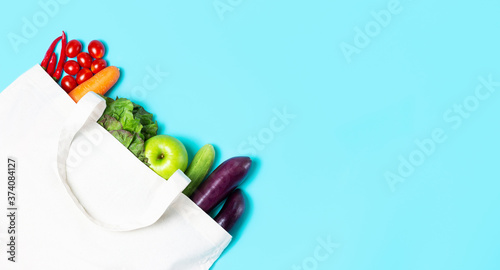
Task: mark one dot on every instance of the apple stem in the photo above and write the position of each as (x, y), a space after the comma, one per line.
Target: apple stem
(162, 156)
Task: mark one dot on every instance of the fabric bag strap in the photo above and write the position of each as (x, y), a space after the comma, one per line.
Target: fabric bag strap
(89, 109)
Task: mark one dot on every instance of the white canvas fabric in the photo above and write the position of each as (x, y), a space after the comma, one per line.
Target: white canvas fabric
(83, 200)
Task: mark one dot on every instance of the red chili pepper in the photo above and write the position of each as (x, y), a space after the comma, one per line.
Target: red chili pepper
(52, 64)
(62, 59)
(49, 52)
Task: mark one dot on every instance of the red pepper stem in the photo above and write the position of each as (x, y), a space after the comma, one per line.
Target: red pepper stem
(52, 64)
(62, 59)
(49, 52)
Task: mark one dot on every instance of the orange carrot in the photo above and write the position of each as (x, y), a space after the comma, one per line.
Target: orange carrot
(100, 83)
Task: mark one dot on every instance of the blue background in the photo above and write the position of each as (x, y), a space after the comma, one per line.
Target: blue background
(321, 175)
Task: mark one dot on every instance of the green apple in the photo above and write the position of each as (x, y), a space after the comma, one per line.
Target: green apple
(166, 155)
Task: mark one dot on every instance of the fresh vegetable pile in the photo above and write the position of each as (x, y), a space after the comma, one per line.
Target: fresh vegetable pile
(135, 128)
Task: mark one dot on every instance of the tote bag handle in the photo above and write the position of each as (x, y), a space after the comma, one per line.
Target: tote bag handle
(89, 109)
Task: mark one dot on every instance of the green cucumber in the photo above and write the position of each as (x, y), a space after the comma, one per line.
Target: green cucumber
(199, 168)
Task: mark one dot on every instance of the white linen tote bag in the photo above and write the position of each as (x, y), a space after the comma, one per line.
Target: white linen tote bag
(76, 198)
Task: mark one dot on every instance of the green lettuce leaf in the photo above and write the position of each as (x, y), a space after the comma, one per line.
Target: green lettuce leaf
(137, 145)
(141, 114)
(149, 127)
(137, 148)
(130, 124)
(123, 136)
(150, 131)
(108, 100)
(119, 108)
(109, 123)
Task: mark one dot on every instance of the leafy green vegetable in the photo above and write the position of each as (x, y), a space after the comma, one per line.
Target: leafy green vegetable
(150, 127)
(119, 108)
(150, 131)
(137, 148)
(123, 136)
(130, 124)
(110, 123)
(108, 100)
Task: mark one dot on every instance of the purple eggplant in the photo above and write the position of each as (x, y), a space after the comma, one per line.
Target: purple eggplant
(221, 182)
(232, 210)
